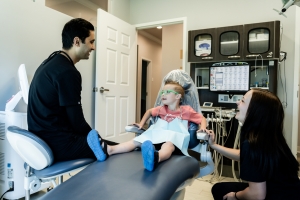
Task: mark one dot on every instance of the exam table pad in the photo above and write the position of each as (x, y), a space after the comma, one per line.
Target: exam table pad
(123, 176)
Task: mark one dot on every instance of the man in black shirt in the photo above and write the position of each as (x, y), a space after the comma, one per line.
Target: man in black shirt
(54, 103)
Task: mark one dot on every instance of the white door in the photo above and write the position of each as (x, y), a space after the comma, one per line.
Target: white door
(116, 66)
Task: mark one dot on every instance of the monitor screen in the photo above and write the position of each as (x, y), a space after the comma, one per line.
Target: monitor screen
(235, 78)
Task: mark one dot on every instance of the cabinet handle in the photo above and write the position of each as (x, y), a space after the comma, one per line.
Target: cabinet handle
(270, 55)
(207, 58)
(231, 57)
(251, 56)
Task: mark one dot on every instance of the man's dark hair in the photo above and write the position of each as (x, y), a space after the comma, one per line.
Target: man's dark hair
(75, 28)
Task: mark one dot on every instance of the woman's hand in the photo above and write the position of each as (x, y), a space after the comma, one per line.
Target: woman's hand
(233, 154)
(211, 140)
(230, 196)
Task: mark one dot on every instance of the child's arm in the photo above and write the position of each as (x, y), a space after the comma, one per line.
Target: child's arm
(146, 116)
(203, 124)
(196, 117)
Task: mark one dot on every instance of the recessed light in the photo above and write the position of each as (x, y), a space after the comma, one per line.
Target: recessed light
(159, 27)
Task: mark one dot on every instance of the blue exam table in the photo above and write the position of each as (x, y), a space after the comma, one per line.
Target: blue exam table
(123, 176)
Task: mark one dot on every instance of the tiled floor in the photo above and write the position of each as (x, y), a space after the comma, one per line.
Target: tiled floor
(201, 188)
(198, 190)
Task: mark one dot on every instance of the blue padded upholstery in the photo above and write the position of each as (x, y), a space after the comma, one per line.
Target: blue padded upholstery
(122, 176)
(53, 169)
(62, 167)
(193, 135)
(32, 136)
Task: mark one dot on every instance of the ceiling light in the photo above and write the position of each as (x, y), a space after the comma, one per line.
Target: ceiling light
(159, 27)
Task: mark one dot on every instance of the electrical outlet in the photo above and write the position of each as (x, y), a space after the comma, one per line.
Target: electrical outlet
(11, 185)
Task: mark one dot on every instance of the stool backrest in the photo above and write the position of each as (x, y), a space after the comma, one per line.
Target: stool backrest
(32, 149)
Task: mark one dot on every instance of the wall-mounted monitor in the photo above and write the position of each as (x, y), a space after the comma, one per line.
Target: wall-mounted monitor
(231, 78)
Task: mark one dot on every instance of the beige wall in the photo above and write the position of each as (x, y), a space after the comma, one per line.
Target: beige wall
(32, 33)
(120, 9)
(172, 42)
(150, 51)
(163, 58)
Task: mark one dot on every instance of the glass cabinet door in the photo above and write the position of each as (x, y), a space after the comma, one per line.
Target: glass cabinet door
(261, 40)
(229, 43)
(230, 40)
(202, 45)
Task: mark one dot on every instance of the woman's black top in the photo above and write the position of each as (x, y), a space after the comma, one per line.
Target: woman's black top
(284, 183)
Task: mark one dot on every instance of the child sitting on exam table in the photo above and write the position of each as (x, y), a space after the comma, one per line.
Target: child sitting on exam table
(169, 132)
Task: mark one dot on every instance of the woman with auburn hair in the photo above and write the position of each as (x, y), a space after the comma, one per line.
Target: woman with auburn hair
(267, 165)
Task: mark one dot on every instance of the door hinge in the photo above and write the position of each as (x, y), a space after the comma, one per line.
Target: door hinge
(95, 89)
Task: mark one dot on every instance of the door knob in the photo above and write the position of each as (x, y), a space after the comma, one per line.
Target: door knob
(102, 89)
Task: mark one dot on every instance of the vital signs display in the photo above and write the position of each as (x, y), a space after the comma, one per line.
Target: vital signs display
(235, 78)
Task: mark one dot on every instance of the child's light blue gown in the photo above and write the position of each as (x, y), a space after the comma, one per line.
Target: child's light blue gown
(161, 131)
